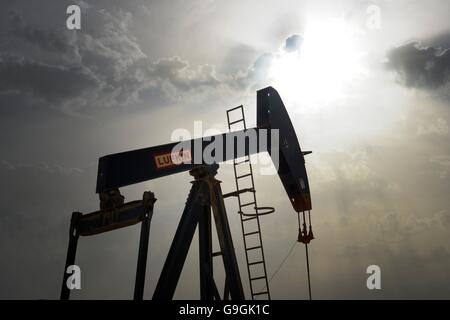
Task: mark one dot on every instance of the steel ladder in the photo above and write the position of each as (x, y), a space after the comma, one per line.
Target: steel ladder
(250, 214)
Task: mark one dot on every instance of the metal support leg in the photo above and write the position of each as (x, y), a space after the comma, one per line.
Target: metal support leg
(226, 241)
(226, 290)
(149, 200)
(205, 192)
(205, 255)
(171, 271)
(71, 253)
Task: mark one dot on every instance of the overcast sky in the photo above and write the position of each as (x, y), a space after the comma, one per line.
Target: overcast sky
(370, 98)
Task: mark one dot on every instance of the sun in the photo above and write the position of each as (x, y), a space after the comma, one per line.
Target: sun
(319, 72)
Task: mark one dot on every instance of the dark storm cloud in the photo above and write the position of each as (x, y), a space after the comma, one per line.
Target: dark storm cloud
(45, 40)
(419, 66)
(44, 67)
(100, 66)
(104, 66)
(441, 40)
(49, 82)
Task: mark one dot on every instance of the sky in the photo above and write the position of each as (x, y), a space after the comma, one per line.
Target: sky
(366, 84)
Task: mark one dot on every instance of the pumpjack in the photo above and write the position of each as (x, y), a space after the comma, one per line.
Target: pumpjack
(130, 167)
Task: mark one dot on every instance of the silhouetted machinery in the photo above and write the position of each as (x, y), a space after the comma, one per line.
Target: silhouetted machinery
(274, 134)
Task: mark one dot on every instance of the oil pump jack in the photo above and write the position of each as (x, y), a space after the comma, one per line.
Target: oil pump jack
(130, 167)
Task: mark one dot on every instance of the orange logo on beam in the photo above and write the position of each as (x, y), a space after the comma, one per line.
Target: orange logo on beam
(168, 160)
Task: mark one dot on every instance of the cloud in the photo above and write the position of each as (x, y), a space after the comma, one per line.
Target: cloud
(256, 76)
(181, 75)
(418, 66)
(438, 127)
(293, 43)
(101, 67)
(442, 162)
(238, 58)
(45, 40)
(50, 82)
(105, 66)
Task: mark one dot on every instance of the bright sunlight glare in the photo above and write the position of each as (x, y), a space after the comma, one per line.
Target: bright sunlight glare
(319, 71)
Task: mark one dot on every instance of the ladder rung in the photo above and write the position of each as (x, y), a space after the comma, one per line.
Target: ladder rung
(257, 278)
(251, 218)
(216, 254)
(243, 176)
(247, 204)
(238, 192)
(250, 233)
(234, 122)
(253, 248)
(256, 262)
(260, 293)
(235, 108)
(241, 162)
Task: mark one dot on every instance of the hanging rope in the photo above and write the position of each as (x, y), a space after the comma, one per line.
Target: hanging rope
(281, 264)
(305, 235)
(306, 251)
(307, 270)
